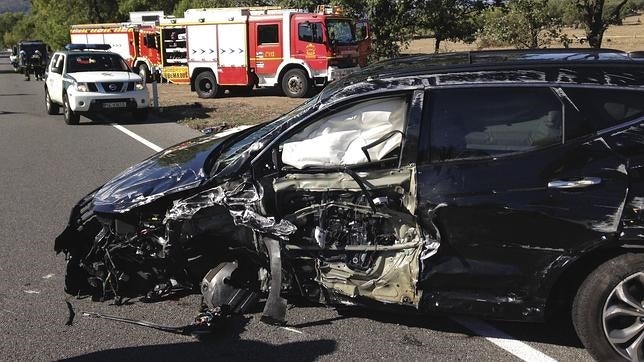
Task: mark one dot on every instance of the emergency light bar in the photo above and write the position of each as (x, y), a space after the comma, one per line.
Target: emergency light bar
(87, 47)
(330, 10)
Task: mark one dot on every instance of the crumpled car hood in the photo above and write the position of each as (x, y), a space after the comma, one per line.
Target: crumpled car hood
(175, 169)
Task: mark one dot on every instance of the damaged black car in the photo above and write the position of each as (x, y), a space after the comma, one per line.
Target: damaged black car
(503, 184)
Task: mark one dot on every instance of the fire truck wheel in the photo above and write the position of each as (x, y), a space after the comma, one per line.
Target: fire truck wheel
(295, 83)
(144, 72)
(206, 85)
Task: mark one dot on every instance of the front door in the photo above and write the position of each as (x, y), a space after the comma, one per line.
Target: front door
(55, 78)
(345, 179)
(266, 48)
(512, 188)
(309, 44)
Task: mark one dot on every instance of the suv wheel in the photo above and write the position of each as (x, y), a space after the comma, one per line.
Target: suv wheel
(608, 310)
(144, 73)
(52, 108)
(206, 85)
(71, 117)
(295, 83)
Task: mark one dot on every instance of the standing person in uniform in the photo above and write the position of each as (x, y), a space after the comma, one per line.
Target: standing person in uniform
(36, 64)
(24, 63)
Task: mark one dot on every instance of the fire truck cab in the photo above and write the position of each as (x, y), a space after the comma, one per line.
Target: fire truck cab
(239, 48)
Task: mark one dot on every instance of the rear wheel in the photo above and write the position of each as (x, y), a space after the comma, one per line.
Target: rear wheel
(52, 108)
(71, 117)
(206, 85)
(608, 310)
(295, 83)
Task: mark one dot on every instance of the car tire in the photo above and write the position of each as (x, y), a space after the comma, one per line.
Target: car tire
(52, 108)
(144, 73)
(206, 85)
(140, 114)
(296, 84)
(71, 117)
(600, 303)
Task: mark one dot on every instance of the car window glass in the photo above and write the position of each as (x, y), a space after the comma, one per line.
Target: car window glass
(338, 139)
(480, 122)
(602, 108)
(60, 63)
(310, 32)
(267, 34)
(95, 63)
(53, 64)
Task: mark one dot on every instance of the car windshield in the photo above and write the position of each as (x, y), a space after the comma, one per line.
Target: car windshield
(341, 30)
(95, 62)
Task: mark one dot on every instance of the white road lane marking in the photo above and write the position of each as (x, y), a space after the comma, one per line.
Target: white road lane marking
(158, 148)
(48, 276)
(29, 291)
(137, 137)
(503, 340)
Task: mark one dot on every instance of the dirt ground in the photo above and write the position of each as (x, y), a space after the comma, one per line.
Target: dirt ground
(179, 104)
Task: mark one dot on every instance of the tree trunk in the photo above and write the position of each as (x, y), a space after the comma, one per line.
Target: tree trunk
(437, 45)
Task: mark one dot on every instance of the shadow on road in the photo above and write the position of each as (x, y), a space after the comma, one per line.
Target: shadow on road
(561, 334)
(225, 345)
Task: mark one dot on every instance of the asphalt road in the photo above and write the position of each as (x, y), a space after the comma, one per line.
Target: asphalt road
(46, 166)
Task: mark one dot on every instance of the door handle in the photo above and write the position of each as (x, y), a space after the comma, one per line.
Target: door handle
(574, 183)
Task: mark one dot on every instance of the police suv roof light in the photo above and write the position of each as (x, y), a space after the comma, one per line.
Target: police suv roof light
(87, 47)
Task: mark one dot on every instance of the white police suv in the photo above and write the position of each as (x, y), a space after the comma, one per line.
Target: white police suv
(88, 79)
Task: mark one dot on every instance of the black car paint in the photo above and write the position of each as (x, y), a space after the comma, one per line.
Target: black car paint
(496, 258)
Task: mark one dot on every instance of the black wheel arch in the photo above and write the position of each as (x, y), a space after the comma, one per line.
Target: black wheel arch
(289, 67)
(565, 283)
(198, 71)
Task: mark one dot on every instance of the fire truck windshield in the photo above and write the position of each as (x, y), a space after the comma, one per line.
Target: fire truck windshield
(341, 31)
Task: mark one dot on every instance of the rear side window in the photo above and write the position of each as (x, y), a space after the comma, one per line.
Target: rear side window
(602, 108)
(267, 34)
(480, 122)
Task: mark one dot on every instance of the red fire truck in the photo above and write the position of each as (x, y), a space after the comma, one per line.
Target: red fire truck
(136, 41)
(239, 48)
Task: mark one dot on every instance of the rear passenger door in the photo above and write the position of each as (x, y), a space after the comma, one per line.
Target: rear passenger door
(516, 191)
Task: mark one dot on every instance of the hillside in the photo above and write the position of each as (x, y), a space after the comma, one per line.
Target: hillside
(14, 6)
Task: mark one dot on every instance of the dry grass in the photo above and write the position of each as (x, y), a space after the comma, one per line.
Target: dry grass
(179, 104)
(627, 37)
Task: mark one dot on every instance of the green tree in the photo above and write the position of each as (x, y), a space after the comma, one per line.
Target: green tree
(8, 22)
(450, 19)
(597, 17)
(523, 24)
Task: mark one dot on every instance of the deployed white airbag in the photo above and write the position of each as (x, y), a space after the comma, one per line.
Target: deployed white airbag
(338, 139)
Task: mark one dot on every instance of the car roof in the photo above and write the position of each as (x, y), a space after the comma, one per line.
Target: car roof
(570, 66)
(494, 59)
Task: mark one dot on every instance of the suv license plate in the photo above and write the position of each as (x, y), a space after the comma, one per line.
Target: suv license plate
(114, 105)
